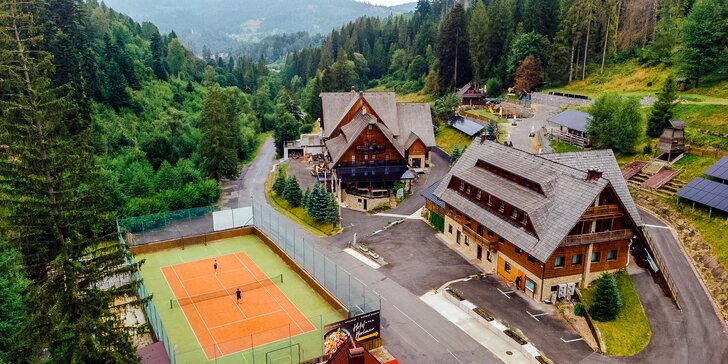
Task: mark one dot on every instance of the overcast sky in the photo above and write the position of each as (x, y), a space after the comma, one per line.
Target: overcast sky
(387, 2)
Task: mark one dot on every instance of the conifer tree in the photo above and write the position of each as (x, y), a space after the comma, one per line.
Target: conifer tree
(662, 110)
(318, 203)
(292, 192)
(220, 128)
(454, 59)
(491, 130)
(279, 184)
(477, 41)
(455, 154)
(158, 66)
(606, 301)
(331, 212)
(306, 200)
(53, 209)
(13, 311)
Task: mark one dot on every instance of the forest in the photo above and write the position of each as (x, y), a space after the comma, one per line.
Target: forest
(448, 43)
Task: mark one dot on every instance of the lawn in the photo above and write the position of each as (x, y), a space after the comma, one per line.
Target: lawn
(561, 147)
(693, 166)
(410, 97)
(297, 214)
(630, 332)
(447, 137)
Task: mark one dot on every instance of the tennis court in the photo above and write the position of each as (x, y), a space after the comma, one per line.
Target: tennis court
(278, 320)
(220, 321)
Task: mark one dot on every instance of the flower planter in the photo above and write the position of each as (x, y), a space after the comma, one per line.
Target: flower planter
(516, 337)
(482, 313)
(456, 293)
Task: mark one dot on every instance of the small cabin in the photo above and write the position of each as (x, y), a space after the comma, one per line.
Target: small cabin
(681, 83)
(570, 127)
(471, 97)
(672, 141)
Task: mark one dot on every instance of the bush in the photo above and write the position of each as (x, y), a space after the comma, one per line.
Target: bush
(579, 309)
(456, 293)
(647, 149)
(606, 302)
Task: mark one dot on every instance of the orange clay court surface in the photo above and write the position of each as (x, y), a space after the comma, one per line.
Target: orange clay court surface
(224, 326)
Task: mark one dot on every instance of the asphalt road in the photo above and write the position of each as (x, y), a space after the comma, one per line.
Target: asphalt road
(412, 331)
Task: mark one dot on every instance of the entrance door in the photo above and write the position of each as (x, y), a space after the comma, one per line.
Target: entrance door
(458, 237)
(480, 252)
(365, 204)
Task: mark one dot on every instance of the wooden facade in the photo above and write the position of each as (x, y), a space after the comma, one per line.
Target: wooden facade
(371, 148)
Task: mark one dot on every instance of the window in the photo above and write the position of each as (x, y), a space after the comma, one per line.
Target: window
(559, 262)
(386, 157)
(366, 157)
(518, 250)
(514, 213)
(467, 240)
(524, 218)
(502, 206)
(449, 228)
(478, 194)
(490, 232)
(369, 127)
(353, 159)
(458, 236)
(500, 240)
(479, 254)
(489, 200)
(467, 189)
(576, 259)
(595, 257)
(530, 285)
(480, 230)
(612, 255)
(489, 256)
(507, 267)
(462, 185)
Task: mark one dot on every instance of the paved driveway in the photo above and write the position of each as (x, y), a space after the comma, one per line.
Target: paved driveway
(416, 258)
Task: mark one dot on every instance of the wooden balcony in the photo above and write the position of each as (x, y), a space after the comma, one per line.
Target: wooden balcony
(594, 238)
(371, 149)
(601, 212)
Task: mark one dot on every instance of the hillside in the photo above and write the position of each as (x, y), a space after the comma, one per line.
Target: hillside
(222, 24)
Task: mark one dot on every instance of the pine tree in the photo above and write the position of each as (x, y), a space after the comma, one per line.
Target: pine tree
(455, 154)
(319, 201)
(306, 200)
(13, 311)
(157, 47)
(662, 110)
(491, 130)
(606, 301)
(53, 208)
(279, 184)
(477, 41)
(454, 67)
(292, 192)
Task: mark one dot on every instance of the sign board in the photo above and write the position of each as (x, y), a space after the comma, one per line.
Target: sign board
(400, 193)
(363, 328)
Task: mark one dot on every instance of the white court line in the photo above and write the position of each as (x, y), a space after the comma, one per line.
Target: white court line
(420, 326)
(246, 319)
(214, 342)
(231, 297)
(456, 358)
(572, 340)
(505, 293)
(536, 315)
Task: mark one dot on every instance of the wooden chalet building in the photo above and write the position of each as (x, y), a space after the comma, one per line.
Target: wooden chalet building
(549, 223)
(471, 97)
(371, 141)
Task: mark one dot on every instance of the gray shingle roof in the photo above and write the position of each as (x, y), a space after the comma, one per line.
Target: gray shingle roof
(428, 193)
(572, 119)
(566, 193)
(403, 122)
(605, 160)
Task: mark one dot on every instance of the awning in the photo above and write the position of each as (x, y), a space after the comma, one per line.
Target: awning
(371, 173)
(408, 175)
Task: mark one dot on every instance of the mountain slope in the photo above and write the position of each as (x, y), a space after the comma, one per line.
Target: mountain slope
(219, 24)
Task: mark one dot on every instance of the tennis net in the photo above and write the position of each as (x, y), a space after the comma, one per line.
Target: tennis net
(182, 301)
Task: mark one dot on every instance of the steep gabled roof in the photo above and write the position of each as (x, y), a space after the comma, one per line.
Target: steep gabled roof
(554, 208)
(416, 118)
(340, 144)
(464, 89)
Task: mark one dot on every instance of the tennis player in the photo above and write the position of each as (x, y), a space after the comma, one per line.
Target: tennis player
(214, 265)
(238, 295)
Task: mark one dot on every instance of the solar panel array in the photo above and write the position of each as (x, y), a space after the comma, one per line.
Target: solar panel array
(706, 192)
(468, 126)
(719, 169)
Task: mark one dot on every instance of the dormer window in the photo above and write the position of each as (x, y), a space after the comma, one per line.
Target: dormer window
(502, 206)
(462, 185)
(514, 213)
(524, 218)
(489, 201)
(369, 127)
(478, 194)
(467, 189)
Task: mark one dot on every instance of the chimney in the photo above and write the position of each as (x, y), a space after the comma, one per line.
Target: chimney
(482, 138)
(356, 355)
(353, 89)
(593, 173)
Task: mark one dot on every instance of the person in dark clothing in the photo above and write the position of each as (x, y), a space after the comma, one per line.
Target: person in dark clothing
(238, 295)
(214, 265)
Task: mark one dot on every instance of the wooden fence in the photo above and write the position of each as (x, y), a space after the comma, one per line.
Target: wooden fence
(669, 283)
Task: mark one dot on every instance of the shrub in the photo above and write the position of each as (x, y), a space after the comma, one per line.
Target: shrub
(456, 293)
(579, 309)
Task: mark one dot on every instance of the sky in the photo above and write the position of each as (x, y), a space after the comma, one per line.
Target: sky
(387, 2)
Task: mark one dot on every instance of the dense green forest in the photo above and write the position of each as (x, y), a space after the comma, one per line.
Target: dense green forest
(445, 44)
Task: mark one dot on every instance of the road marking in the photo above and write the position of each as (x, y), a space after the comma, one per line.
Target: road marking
(415, 322)
(572, 340)
(453, 355)
(505, 293)
(659, 226)
(537, 315)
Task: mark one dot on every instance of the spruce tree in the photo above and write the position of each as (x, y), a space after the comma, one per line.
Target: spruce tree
(662, 110)
(279, 184)
(454, 67)
(292, 192)
(491, 130)
(220, 129)
(331, 212)
(606, 301)
(319, 201)
(13, 311)
(455, 154)
(53, 209)
(306, 200)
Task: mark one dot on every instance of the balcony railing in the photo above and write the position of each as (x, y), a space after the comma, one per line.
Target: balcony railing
(602, 211)
(367, 163)
(594, 238)
(371, 149)
(481, 240)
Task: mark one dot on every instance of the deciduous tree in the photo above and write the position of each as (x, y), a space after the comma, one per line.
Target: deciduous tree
(528, 75)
